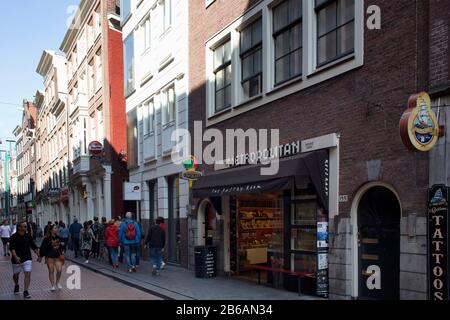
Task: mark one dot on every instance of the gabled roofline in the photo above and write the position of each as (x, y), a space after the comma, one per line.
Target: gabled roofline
(73, 31)
(45, 63)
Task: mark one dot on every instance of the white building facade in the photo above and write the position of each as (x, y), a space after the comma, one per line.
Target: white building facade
(52, 171)
(155, 35)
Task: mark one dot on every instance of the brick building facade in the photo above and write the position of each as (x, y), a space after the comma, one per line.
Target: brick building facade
(358, 98)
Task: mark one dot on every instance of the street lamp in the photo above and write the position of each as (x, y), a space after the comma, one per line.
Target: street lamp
(7, 158)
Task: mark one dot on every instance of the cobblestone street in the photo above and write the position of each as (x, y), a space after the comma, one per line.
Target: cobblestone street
(93, 286)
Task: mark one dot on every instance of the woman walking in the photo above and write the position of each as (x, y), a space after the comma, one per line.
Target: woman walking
(86, 239)
(63, 233)
(112, 243)
(54, 258)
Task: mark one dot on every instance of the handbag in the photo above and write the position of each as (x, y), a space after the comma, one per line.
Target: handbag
(61, 256)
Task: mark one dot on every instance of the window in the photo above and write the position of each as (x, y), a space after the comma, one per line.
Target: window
(287, 33)
(169, 105)
(132, 134)
(125, 9)
(98, 67)
(90, 32)
(98, 21)
(82, 82)
(149, 117)
(100, 124)
(81, 47)
(93, 124)
(91, 78)
(146, 31)
(251, 57)
(129, 64)
(222, 72)
(243, 61)
(335, 29)
(167, 14)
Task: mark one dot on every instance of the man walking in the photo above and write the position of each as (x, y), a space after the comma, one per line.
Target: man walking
(101, 238)
(5, 234)
(156, 241)
(21, 244)
(95, 227)
(130, 237)
(74, 231)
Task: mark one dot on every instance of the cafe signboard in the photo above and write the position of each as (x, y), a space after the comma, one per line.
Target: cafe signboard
(419, 126)
(438, 257)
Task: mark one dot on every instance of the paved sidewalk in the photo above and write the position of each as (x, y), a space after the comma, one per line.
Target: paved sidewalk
(181, 284)
(94, 286)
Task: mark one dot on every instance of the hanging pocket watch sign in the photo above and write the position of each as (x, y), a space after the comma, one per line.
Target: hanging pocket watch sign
(419, 126)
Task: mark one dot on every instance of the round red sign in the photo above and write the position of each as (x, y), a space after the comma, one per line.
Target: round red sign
(95, 148)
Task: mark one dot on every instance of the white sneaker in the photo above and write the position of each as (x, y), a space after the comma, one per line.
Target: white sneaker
(59, 286)
(163, 265)
(87, 261)
(53, 288)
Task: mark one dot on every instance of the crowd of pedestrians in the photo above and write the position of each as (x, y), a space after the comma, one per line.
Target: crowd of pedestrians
(119, 240)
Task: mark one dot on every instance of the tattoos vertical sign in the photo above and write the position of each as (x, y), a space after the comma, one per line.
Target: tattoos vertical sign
(438, 225)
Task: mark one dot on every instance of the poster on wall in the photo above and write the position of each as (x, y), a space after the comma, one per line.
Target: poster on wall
(131, 191)
(438, 257)
(322, 254)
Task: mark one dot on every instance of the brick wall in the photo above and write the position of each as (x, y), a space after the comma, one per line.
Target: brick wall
(117, 118)
(439, 34)
(364, 106)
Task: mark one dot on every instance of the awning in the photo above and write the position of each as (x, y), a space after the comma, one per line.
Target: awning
(296, 171)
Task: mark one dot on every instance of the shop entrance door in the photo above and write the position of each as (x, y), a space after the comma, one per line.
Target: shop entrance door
(379, 243)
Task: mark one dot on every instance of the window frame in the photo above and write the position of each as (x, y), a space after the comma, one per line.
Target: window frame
(252, 50)
(124, 18)
(312, 74)
(166, 27)
(165, 106)
(287, 28)
(336, 29)
(146, 33)
(149, 117)
(222, 67)
(129, 90)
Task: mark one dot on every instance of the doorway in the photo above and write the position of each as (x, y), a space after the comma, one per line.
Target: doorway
(378, 243)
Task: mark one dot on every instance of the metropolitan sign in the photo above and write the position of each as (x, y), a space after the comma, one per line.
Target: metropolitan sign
(132, 191)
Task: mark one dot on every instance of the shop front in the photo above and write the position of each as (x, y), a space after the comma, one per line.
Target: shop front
(275, 229)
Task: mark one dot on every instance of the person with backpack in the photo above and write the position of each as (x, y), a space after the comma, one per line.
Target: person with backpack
(86, 239)
(130, 238)
(156, 241)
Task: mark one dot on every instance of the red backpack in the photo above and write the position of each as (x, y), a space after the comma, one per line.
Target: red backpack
(130, 231)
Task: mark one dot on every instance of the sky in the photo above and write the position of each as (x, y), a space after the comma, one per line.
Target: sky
(26, 29)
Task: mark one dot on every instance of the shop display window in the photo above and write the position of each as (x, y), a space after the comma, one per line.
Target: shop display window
(260, 231)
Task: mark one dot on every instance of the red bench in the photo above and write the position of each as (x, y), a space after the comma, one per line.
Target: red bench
(300, 275)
